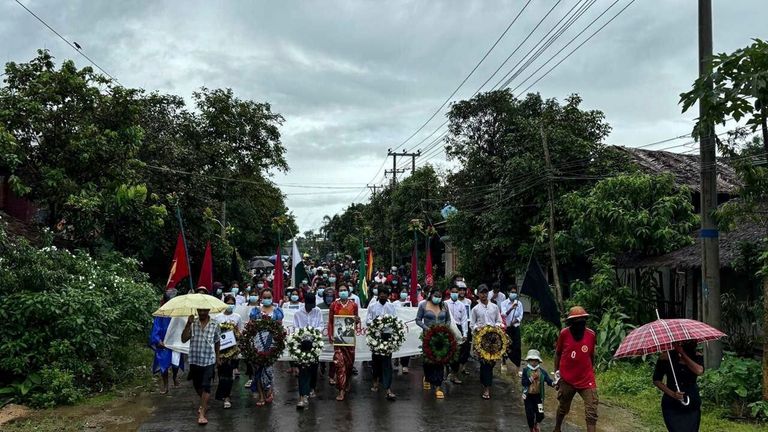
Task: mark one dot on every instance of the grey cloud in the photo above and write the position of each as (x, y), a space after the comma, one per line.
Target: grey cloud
(354, 78)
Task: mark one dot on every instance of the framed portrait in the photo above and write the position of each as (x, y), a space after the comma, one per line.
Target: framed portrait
(343, 330)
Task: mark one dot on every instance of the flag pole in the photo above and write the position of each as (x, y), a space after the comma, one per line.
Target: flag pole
(186, 250)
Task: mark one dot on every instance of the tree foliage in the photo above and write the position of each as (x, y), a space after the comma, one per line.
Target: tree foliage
(109, 164)
(500, 191)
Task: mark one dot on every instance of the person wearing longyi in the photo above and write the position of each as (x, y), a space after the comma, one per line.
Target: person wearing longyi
(308, 316)
(382, 364)
(574, 364)
(204, 336)
(343, 356)
(679, 417)
(484, 314)
(431, 313)
(263, 376)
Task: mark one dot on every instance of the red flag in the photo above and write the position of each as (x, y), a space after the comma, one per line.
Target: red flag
(206, 272)
(429, 280)
(414, 276)
(277, 282)
(179, 268)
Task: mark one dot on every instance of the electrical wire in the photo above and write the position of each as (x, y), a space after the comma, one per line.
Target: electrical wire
(78, 50)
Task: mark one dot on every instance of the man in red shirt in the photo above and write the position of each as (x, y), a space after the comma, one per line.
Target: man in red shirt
(574, 363)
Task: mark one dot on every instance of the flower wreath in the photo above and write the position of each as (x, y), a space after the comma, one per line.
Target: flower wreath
(233, 351)
(253, 337)
(385, 334)
(490, 343)
(305, 345)
(439, 345)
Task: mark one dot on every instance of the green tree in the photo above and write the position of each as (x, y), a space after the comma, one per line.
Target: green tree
(500, 191)
(740, 90)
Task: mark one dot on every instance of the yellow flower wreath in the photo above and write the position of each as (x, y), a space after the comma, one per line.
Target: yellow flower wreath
(490, 343)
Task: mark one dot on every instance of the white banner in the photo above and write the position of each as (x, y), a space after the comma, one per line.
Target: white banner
(411, 346)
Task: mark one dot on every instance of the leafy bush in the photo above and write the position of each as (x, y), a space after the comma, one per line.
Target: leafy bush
(611, 330)
(67, 316)
(735, 384)
(539, 334)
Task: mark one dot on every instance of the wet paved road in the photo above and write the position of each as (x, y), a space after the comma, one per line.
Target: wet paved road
(415, 409)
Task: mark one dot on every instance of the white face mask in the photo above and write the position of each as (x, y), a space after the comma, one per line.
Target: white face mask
(531, 367)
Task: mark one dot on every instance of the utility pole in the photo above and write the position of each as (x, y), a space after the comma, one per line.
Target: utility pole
(403, 153)
(550, 192)
(374, 188)
(710, 246)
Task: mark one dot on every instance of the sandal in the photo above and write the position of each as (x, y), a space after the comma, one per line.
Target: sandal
(439, 394)
(270, 398)
(340, 397)
(202, 421)
(486, 396)
(260, 403)
(391, 396)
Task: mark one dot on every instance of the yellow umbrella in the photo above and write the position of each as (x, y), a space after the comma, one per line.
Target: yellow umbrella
(188, 304)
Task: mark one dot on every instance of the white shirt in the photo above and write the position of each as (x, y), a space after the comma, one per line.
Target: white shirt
(401, 303)
(356, 299)
(514, 314)
(313, 318)
(292, 306)
(233, 318)
(239, 300)
(500, 297)
(376, 309)
(483, 315)
(459, 314)
(468, 306)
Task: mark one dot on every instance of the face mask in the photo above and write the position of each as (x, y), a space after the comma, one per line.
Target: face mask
(260, 285)
(304, 282)
(436, 300)
(454, 296)
(344, 295)
(531, 367)
(331, 280)
(235, 291)
(382, 300)
(513, 296)
(403, 296)
(218, 291)
(320, 292)
(294, 298)
(375, 291)
(328, 299)
(266, 302)
(248, 289)
(394, 282)
(253, 299)
(230, 308)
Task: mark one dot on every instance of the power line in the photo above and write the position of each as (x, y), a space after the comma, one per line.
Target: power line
(461, 84)
(78, 50)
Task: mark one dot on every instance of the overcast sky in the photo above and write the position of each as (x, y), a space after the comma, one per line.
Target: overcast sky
(353, 78)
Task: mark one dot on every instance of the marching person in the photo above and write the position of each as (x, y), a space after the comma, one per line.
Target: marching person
(382, 364)
(484, 314)
(497, 297)
(458, 311)
(163, 356)
(343, 356)
(263, 376)
(308, 316)
(466, 347)
(430, 313)
(203, 335)
(533, 378)
(512, 309)
(688, 366)
(227, 367)
(574, 364)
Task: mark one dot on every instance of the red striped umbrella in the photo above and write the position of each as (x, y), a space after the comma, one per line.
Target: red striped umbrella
(661, 335)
